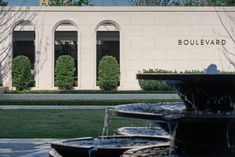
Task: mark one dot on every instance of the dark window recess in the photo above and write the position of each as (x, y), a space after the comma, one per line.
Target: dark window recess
(107, 43)
(23, 44)
(66, 44)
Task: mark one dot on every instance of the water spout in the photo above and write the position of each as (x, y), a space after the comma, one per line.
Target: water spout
(172, 131)
(228, 137)
(105, 131)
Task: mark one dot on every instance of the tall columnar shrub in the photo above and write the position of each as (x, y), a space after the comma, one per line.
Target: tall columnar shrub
(108, 73)
(64, 72)
(21, 72)
(153, 84)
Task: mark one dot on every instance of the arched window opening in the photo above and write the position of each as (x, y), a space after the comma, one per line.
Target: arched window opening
(24, 42)
(65, 43)
(107, 42)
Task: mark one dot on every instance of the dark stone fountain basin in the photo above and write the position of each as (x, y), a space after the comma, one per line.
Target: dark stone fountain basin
(206, 126)
(109, 146)
(201, 92)
(165, 112)
(200, 130)
(149, 151)
(152, 111)
(164, 151)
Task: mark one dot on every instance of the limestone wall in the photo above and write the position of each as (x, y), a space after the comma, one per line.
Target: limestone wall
(149, 38)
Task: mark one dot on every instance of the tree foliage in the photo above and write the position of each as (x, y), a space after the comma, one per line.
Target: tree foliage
(150, 2)
(3, 3)
(182, 2)
(221, 2)
(69, 2)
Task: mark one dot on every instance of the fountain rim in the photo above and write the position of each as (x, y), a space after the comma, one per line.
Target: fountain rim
(134, 114)
(187, 76)
(63, 144)
(167, 137)
(163, 117)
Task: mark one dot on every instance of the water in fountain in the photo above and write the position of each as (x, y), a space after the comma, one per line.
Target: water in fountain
(143, 131)
(118, 142)
(92, 151)
(105, 146)
(105, 131)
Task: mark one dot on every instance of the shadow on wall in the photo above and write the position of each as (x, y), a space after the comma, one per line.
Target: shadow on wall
(10, 18)
(0, 78)
(227, 20)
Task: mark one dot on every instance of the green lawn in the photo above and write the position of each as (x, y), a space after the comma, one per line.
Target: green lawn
(57, 123)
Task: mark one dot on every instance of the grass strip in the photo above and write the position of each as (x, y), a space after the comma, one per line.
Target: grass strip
(58, 123)
(81, 102)
(86, 92)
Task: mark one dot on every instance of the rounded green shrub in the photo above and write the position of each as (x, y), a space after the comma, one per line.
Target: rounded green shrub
(108, 73)
(21, 72)
(153, 84)
(64, 72)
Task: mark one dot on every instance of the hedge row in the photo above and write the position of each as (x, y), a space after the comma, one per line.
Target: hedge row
(151, 85)
(85, 92)
(82, 102)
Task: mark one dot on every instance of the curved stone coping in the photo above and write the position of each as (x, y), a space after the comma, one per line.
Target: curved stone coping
(122, 9)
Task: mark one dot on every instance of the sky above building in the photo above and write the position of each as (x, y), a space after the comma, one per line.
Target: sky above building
(95, 2)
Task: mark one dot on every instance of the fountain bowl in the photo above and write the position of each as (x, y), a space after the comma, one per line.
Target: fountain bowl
(214, 131)
(109, 146)
(200, 91)
(150, 111)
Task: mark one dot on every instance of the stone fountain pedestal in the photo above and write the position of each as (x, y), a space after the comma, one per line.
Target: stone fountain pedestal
(207, 126)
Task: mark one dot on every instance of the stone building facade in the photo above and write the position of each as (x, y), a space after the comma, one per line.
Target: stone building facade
(172, 38)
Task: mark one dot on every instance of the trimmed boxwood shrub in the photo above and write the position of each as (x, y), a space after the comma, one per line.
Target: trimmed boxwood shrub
(153, 84)
(109, 73)
(21, 72)
(64, 72)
